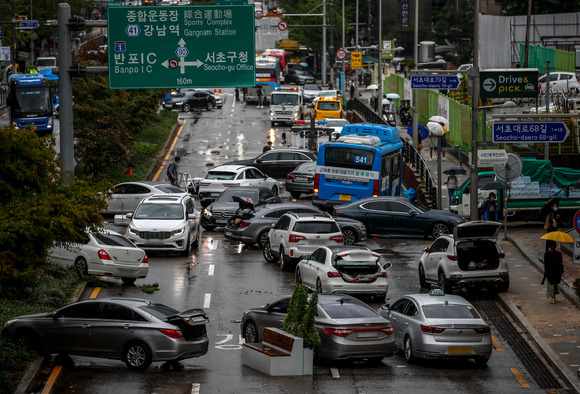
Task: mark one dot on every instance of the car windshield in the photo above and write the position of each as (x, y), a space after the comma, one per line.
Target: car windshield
(316, 227)
(450, 311)
(113, 240)
(284, 99)
(228, 194)
(312, 87)
(159, 211)
(348, 310)
(220, 175)
(169, 189)
(328, 106)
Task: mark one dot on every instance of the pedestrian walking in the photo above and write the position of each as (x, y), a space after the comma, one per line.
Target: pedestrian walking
(267, 147)
(552, 222)
(260, 92)
(237, 94)
(173, 171)
(443, 140)
(330, 86)
(432, 144)
(553, 270)
(491, 207)
(352, 90)
(451, 183)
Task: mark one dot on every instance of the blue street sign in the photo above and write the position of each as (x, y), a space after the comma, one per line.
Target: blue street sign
(435, 81)
(29, 24)
(526, 132)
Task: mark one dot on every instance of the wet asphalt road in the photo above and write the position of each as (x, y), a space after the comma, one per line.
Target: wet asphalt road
(227, 278)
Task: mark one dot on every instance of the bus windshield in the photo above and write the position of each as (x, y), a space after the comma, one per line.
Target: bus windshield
(34, 101)
(284, 99)
(349, 157)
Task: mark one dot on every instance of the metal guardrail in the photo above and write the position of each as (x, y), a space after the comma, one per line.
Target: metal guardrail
(410, 154)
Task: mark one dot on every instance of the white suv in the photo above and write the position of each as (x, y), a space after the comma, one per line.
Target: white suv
(469, 258)
(299, 234)
(562, 82)
(165, 223)
(222, 177)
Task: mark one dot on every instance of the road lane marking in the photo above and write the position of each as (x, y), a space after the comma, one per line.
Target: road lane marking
(334, 372)
(195, 387)
(162, 166)
(94, 293)
(496, 344)
(207, 300)
(51, 379)
(519, 377)
(210, 269)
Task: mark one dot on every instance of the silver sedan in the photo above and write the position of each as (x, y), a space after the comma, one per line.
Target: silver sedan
(435, 325)
(136, 331)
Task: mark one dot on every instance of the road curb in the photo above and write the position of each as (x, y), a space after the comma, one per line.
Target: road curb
(563, 371)
(34, 369)
(161, 157)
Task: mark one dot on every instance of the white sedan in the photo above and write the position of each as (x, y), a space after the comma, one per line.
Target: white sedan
(103, 253)
(222, 177)
(344, 269)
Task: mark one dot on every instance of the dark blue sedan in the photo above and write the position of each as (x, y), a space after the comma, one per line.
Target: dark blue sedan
(399, 216)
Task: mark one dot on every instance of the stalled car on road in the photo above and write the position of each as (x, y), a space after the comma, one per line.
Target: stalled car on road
(127, 195)
(301, 179)
(348, 328)
(277, 163)
(436, 325)
(186, 101)
(103, 253)
(135, 331)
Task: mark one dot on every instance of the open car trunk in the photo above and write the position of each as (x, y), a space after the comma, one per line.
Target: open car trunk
(477, 255)
(357, 272)
(191, 323)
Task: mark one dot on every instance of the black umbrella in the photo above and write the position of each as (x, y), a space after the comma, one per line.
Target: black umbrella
(458, 170)
(495, 185)
(545, 210)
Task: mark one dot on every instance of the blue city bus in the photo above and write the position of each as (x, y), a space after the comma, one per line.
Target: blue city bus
(365, 161)
(31, 100)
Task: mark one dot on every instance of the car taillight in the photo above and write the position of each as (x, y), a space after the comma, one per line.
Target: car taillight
(384, 274)
(295, 238)
(314, 112)
(316, 182)
(290, 176)
(338, 238)
(104, 255)
(483, 330)
(432, 330)
(501, 255)
(231, 184)
(145, 260)
(172, 333)
(341, 114)
(376, 189)
(343, 332)
(244, 224)
(333, 274)
(451, 257)
(339, 332)
(337, 213)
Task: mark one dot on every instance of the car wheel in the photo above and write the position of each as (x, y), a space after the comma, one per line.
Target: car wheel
(196, 240)
(137, 356)
(439, 229)
(208, 227)
(318, 285)
(262, 239)
(283, 260)
(481, 360)
(186, 107)
(128, 281)
(82, 266)
(209, 106)
(444, 283)
(298, 276)
(27, 339)
(349, 236)
(504, 286)
(295, 194)
(275, 190)
(408, 349)
(251, 332)
(267, 251)
(422, 281)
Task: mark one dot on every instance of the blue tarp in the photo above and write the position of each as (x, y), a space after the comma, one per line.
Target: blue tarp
(49, 74)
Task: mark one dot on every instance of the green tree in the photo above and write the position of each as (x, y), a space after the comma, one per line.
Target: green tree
(519, 7)
(307, 328)
(296, 310)
(37, 209)
(454, 26)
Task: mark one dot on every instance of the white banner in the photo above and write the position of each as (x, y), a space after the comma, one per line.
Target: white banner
(5, 54)
(443, 107)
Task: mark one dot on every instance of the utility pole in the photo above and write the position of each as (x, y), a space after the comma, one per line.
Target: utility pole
(13, 37)
(473, 200)
(380, 70)
(356, 46)
(343, 47)
(65, 94)
(414, 91)
(331, 50)
(324, 55)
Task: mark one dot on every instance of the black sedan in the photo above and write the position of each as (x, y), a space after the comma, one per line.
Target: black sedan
(299, 77)
(221, 210)
(278, 163)
(134, 330)
(255, 230)
(301, 180)
(399, 216)
(186, 101)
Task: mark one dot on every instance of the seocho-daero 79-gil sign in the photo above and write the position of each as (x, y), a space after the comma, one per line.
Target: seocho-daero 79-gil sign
(179, 47)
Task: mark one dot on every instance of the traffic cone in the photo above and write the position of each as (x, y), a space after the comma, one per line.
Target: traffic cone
(129, 171)
(220, 91)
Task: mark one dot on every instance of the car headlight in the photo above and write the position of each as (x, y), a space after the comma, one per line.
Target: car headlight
(205, 212)
(132, 231)
(9, 322)
(296, 114)
(271, 113)
(178, 231)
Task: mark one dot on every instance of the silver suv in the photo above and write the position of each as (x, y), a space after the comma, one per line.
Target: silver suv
(165, 223)
(562, 82)
(299, 234)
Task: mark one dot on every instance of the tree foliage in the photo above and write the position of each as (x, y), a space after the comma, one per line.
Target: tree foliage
(299, 320)
(519, 7)
(454, 26)
(37, 209)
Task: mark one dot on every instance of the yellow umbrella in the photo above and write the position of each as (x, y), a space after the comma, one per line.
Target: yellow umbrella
(558, 236)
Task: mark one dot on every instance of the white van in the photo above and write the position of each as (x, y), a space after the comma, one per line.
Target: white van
(45, 62)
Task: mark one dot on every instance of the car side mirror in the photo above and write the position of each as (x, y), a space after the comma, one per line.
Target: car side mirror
(387, 266)
(56, 315)
(191, 216)
(412, 212)
(258, 160)
(427, 249)
(129, 215)
(265, 176)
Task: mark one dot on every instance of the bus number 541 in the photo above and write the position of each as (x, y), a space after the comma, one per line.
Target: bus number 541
(361, 159)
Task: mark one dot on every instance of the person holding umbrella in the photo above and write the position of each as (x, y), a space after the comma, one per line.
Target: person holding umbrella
(491, 207)
(553, 270)
(552, 222)
(451, 183)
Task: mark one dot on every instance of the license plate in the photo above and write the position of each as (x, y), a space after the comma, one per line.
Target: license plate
(367, 334)
(344, 197)
(301, 179)
(228, 233)
(221, 221)
(460, 350)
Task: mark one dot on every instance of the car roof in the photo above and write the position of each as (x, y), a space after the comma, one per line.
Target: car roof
(382, 198)
(310, 216)
(231, 167)
(165, 198)
(234, 188)
(328, 98)
(427, 299)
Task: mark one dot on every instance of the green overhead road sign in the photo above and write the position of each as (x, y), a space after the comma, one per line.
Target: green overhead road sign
(508, 83)
(181, 47)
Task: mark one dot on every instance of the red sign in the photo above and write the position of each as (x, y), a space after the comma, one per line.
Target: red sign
(282, 25)
(341, 54)
(258, 14)
(577, 221)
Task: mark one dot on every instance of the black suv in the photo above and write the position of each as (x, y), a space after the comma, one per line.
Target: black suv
(278, 163)
(188, 100)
